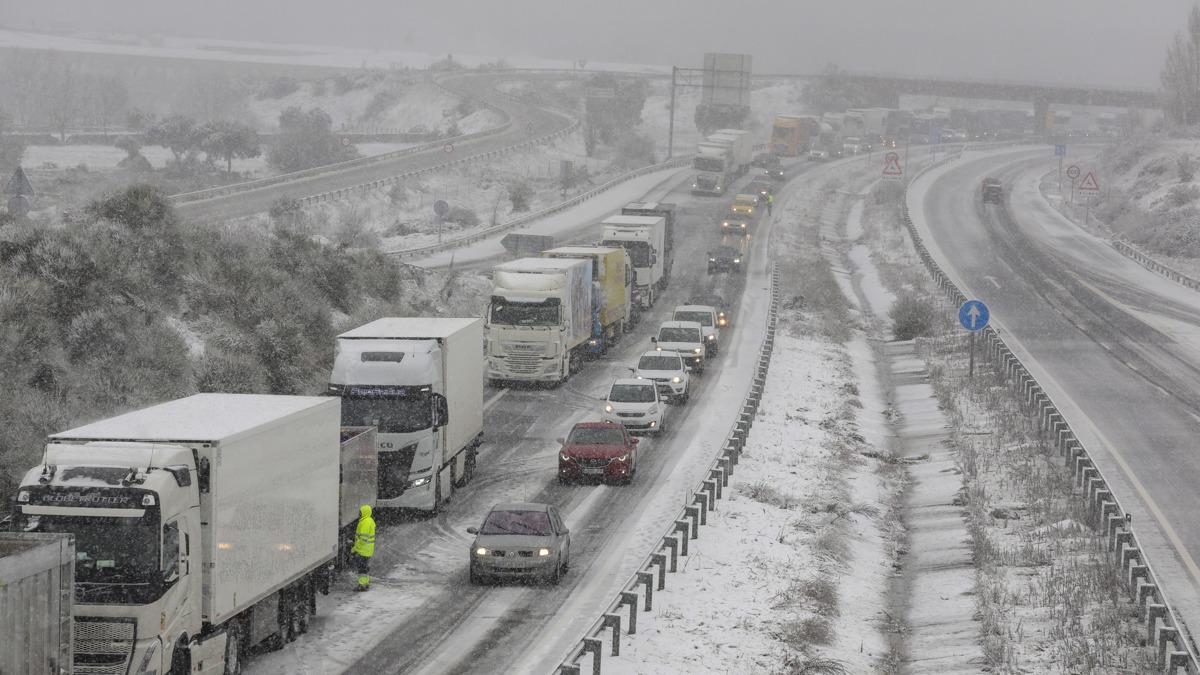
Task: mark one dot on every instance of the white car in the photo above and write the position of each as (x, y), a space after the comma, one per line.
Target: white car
(685, 337)
(636, 405)
(667, 370)
(707, 318)
(819, 155)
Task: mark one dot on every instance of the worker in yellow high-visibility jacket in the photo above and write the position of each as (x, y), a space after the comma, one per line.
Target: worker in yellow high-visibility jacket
(364, 546)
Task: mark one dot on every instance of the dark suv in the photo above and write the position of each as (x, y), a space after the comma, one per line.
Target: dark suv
(724, 259)
(993, 191)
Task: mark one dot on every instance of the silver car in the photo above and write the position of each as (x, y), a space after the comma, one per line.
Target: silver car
(524, 540)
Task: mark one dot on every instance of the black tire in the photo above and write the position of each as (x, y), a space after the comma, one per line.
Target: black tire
(437, 495)
(566, 566)
(181, 661)
(233, 648)
(556, 575)
(476, 577)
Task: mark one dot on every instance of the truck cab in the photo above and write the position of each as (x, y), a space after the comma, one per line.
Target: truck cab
(645, 238)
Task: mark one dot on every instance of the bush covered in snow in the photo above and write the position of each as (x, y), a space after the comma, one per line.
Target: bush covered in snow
(126, 307)
(912, 317)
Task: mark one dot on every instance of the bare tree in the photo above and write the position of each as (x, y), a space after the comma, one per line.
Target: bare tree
(1181, 74)
(63, 94)
(110, 100)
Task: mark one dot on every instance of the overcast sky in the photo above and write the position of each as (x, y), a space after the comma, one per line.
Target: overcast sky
(1069, 41)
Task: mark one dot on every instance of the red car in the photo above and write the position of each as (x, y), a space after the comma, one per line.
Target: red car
(598, 450)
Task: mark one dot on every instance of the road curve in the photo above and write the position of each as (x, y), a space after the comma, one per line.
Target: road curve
(1114, 345)
(528, 122)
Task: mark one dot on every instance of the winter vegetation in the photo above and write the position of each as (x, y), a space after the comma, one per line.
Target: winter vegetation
(125, 307)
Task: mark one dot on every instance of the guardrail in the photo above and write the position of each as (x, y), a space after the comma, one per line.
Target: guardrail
(209, 193)
(1131, 251)
(638, 593)
(493, 230)
(1163, 630)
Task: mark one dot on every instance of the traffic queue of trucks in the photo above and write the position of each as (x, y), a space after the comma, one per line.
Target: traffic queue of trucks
(547, 314)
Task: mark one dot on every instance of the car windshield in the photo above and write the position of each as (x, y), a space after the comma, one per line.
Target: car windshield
(390, 415)
(536, 523)
(506, 313)
(702, 318)
(596, 436)
(632, 393)
(679, 335)
(708, 300)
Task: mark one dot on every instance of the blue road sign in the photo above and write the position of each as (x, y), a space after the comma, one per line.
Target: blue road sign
(973, 315)
(1060, 150)
(935, 135)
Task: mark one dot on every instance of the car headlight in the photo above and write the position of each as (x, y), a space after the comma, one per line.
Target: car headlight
(481, 551)
(721, 322)
(712, 337)
(743, 226)
(677, 379)
(623, 458)
(653, 424)
(564, 456)
(420, 482)
(640, 377)
(543, 552)
(737, 260)
(608, 408)
(712, 260)
(697, 350)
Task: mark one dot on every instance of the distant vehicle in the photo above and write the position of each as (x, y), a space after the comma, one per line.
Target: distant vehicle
(762, 188)
(742, 212)
(993, 191)
(793, 135)
(763, 159)
(520, 540)
(707, 318)
(724, 316)
(774, 170)
(635, 404)
(724, 259)
(818, 154)
(685, 337)
(668, 371)
(598, 450)
(852, 145)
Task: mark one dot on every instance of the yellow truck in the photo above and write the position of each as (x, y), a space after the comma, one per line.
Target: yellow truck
(742, 212)
(612, 287)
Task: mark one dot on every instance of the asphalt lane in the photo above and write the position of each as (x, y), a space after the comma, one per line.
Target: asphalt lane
(1094, 325)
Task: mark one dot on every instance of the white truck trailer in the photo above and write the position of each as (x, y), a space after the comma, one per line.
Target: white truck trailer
(645, 237)
(419, 381)
(203, 526)
(37, 576)
(741, 148)
(539, 319)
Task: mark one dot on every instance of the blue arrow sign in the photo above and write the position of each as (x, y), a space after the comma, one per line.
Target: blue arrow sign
(973, 315)
(1060, 150)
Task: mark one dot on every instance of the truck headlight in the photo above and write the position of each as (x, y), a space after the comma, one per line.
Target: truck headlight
(543, 553)
(420, 482)
(743, 226)
(712, 260)
(737, 260)
(712, 337)
(608, 408)
(697, 350)
(677, 379)
(481, 551)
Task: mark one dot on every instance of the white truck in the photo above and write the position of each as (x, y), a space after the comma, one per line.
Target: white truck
(539, 319)
(419, 382)
(203, 526)
(37, 576)
(714, 162)
(741, 148)
(645, 237)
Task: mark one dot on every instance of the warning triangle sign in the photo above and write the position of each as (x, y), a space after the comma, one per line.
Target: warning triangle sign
(1089, 183)
(19, 185)
(891, 166)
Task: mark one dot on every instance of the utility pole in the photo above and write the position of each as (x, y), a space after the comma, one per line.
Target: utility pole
(671, 123)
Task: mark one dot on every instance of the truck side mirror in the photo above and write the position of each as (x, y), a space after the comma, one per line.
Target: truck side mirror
(472, 530)
(654, 339)
(441, 411)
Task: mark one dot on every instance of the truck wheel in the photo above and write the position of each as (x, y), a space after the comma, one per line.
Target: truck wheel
(437, 495)
(233, 648)
(181, 660)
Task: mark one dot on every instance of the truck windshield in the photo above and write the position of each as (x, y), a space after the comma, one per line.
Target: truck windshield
(704, 163)
(389, 414)
(116, 559)
(702, 318)
(706, 181)
(679, 335)
(524, 313)
(632, 393)
(639, 251)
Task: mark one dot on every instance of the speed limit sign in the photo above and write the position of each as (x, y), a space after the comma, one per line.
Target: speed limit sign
(1072, 172)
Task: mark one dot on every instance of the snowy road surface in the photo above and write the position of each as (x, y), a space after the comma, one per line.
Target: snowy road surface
(424, 616)
(1114, 344)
